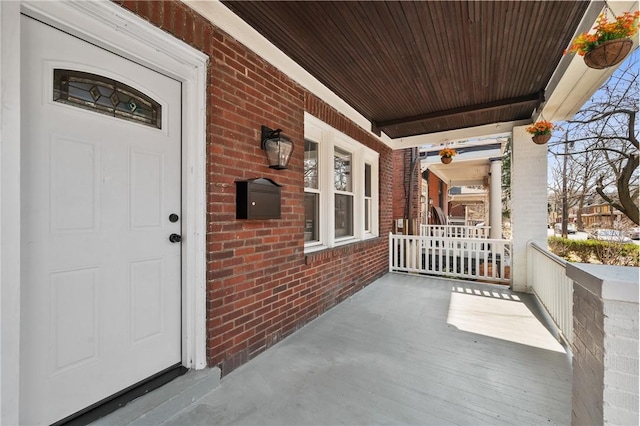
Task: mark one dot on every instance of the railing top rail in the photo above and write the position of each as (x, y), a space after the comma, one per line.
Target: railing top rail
(560, 261)
(456, 226)
(430, 237)
(465, 258)
(464, 231)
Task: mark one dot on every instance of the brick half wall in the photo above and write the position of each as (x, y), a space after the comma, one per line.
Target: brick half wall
(605, 344)
(588, 360)
(621, 393)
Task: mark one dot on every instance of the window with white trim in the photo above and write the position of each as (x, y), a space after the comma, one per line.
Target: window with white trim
(343, 193)
(340, 187)
(311, 192)
(367, 198)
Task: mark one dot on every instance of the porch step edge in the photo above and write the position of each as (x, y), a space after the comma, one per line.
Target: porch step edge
(162, 403)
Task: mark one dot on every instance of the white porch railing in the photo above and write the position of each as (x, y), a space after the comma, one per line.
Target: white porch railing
(547, 273)
(455, 231)
(469, 258)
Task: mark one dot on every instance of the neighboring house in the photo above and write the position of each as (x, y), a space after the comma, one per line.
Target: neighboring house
(601, 216)
(469, 205)
(127, 128)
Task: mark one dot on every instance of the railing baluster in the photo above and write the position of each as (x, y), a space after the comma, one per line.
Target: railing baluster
(552, 287)
(456, 257)
(455, 231)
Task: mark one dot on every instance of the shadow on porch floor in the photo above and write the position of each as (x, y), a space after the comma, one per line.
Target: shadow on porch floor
(405, 350)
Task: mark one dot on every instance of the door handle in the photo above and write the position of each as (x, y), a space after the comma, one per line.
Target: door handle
(175, 238)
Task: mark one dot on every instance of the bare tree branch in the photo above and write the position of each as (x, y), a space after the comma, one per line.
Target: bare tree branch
(604, 138)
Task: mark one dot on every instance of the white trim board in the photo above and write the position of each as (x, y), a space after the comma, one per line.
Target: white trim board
(109, 26)
(9, 211)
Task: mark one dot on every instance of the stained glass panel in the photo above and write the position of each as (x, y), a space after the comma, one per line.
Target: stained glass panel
(106, 96)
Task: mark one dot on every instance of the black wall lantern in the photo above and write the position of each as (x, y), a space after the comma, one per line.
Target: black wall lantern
(277, 147)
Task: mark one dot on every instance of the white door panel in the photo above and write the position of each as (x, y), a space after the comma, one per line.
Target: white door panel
(101, 281)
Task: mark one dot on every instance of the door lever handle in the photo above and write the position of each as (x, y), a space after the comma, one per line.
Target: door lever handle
(175, 238)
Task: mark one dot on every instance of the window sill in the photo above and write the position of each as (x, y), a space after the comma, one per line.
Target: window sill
(314, 249)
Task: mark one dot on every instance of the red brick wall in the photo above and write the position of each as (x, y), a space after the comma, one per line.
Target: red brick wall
(403, 185)
(260, 284)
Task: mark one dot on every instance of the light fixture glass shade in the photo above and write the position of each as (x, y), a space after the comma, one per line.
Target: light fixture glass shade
(278, 152)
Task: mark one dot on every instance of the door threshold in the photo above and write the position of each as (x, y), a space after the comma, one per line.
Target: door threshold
(122, 398)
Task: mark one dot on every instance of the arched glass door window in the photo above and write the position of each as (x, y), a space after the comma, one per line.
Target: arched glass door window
(105, 96)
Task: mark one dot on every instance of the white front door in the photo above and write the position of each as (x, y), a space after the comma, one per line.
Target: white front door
(100, 181)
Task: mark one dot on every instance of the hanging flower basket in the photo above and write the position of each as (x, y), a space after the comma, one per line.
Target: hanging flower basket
(541, 139)
(541, 131)
(609, 42)
(447, 154)
(608, 54)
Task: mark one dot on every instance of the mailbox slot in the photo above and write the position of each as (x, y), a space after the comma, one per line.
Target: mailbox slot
(257, 199)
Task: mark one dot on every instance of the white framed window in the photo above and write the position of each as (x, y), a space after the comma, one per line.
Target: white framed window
(340, 187)
(311, 193)
(343, 194)
(367, 198)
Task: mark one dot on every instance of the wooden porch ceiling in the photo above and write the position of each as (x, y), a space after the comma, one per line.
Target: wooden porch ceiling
(420, 67)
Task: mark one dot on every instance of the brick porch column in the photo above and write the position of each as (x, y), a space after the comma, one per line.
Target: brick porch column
(495, 194)
(528, 202)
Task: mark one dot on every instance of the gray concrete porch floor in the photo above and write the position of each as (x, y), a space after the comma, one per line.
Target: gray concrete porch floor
(405, 350)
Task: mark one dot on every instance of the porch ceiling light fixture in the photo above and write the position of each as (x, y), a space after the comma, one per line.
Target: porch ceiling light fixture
(277, 147)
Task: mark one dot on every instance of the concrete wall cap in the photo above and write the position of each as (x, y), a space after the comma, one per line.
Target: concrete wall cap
(607, 282)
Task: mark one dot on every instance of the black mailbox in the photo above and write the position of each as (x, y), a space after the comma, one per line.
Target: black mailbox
(257, 199)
